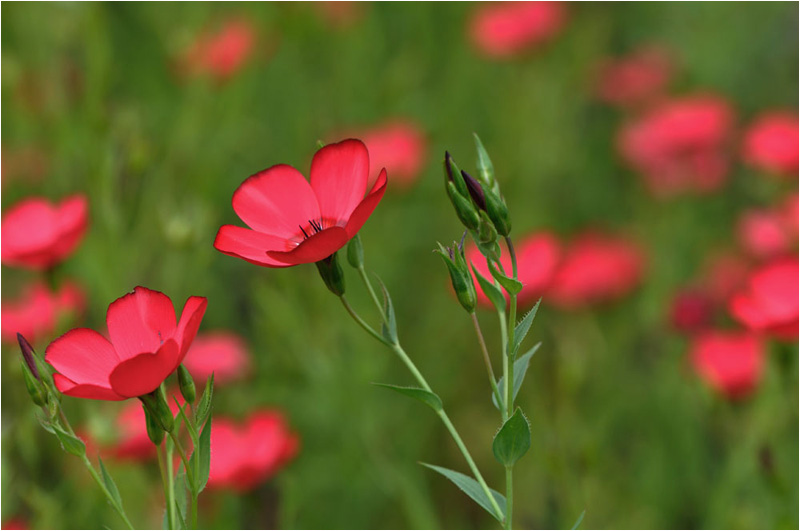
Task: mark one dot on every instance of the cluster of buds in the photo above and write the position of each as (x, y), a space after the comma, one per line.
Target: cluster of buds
(459, 274)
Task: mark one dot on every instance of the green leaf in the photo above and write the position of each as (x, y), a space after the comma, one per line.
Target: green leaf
(513, 440)
(182, 416)
(389, 327)
(69, 443)
(204, 406)
(491, 291)
(520, 368)
(46, 424)
(422, 395)
(181, 501)
(579, 520)
(485, 166)
(473, 489)
(522, 328)
(511, 285)
(205, 456)
(110, 485)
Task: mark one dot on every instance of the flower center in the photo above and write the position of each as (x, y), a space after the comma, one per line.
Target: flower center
(315, 226)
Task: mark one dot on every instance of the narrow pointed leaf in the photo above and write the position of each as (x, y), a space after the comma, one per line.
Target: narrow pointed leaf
(473, 489)
(511, 285)
(182, 416)
(579, 520)
(522, 328)
(70, 444)
(426, 397)
(491, 291)
(520, 368)
(110, 485)
(389, 327)
(180, 497)
(204, 406)
(485, 165)
(205, 456)
(46, 424)
(513, 440)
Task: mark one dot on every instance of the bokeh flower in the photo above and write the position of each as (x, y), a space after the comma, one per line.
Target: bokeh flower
(37, 234)
(36, 312)
(503, 29)
(596, 268)
(680, 145)
(222, 53)
(295, 222)
(771, 232)
(770, 302)
(635, 78)
(400, 147)
(691, 310)
(147, 345)
(131, 439)
(730, 362)
(771, 143)
(242, 456)
(222, 353)
(537, 258)
(16, 522)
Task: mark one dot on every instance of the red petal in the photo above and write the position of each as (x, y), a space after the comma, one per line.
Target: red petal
(93, 392)
(276, 201)
(83, 356)
(142, 374)
(193, 312)
(249, 245)
(28, 232)
(140, 322)
(339, 175)
(72, 217)
(365, 208)
(317, 247)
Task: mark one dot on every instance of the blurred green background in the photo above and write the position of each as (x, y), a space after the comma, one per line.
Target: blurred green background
(621, 425)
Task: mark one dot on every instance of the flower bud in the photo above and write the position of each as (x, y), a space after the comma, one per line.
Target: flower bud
(27, 355)
(332, 274)
(498, 212)
(154, 430)
(485, 166)
(465, 210)
(156, 402)
(453, 175)
(355, 252)
(486, 231)
(186, 384)
(34, 386)
(460, 276)
(475, 190)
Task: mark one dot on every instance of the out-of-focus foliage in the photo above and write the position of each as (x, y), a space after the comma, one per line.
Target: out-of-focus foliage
(157, 118)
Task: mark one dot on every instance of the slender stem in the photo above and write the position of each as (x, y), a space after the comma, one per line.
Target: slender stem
(509, 494)
(195, 493)
(186, 465)
(504, 349)
(375, 299)
(361, 321)
(512, 319)
(167, 482)
(487, 360)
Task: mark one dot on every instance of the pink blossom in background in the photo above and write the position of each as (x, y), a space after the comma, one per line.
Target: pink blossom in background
(730, 362)
(245, 455)
(636, 78)
(596, 268)
(36, 312)
(771, 143)
(680, 145)
(222, 353)
(400, 147)
(769, 303)
(691, 310)
(503, 29)
(768, 233)
(537, 258)
(16, 522)
(132, 442)
(724, 272)
(339, 14)
(37, 234)
(222, 53)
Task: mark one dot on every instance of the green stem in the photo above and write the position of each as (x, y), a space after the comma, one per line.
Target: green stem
(362, 323)
(375, 299)
(186, 465)
(487, 360)
(512, 320)
(504, 349)
(166, 480)
(509, 495)
(195, 494)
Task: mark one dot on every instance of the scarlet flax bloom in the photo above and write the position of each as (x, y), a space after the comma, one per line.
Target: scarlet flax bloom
(635, 78)
(37, 234)
(296, 222)
(399, 147)
(503, 29)
(771, 143)
(223, 53)
(147, 345)
(770, 301)
(731, 362)
(222, 353)
(37, 311)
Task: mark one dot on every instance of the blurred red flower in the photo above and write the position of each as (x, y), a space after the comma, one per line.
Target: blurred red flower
(770, 301)
(691, 311)
(731, 362)
(16, 522)
(504, 29)
(771, 143)
(340, 13)
(242, 456)
(398, 146)
(222, 353)
(635, 78)
(537, 258)
(146, 346)
(132, 442)
(724, 272)
(37, 234)
(767, 233)
(596, 268)
(295, 222)
(680, 145)
(222, 53)
(36, 312)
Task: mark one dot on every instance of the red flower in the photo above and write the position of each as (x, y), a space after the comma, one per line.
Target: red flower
(38, 235)
(244, 456)
(723, 274)
(770, 144)
(771, 232)
(221, 353)
(537, 258)
(223, 53)
(16, 522)
(146, 346)
(295, 222)
(691, 311)
(37, 311)
(680, 145)
(770, 302)
(399, 147)
(596, 268)
(731, 362)
(503, 29)
(636, 78)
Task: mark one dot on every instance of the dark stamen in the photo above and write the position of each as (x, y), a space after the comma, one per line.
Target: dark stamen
(303, 230)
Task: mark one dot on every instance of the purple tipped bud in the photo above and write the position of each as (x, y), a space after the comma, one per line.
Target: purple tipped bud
(27, 355)
(475, 190)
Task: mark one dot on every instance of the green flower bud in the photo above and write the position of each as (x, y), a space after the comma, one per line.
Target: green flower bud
(485, 166)
(28, 355)
(486, 231)
(498, 212)
(34, 386)
(465, 210)
(460, 276)
(156, 402)
(186, 384)
(154, 430)
(332, 274)
(355, 252)
(453, 175)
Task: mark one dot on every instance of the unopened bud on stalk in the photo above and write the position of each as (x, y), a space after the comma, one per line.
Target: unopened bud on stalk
(453, 174)
(486, 230)
(27, 355)
(460, 276)
(186, 384)
(475, 190)
(332, 274)
(154, 430)
(34, 386)
(156, 402)
(498, 212)
(465, 210)
(355, 252)
(485, 166)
